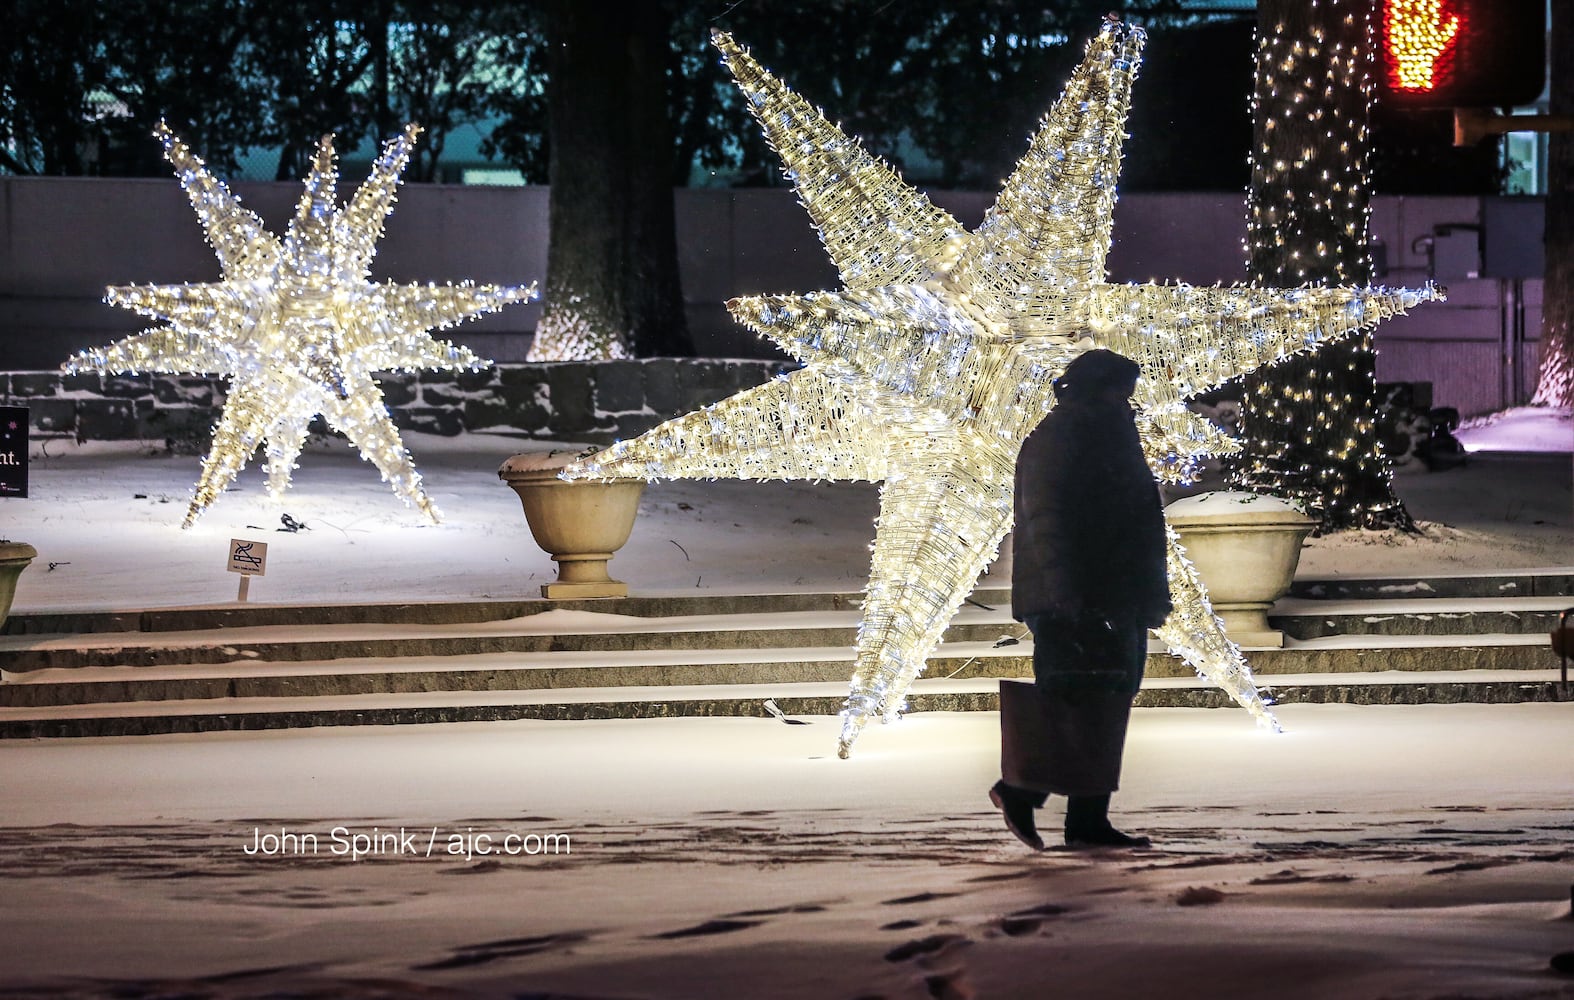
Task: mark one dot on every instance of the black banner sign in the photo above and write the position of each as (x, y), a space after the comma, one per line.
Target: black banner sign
(13, 451)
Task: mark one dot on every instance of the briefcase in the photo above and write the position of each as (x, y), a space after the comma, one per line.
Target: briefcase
(1066, 742)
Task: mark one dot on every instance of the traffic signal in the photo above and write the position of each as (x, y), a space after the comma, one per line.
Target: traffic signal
(1463, 53)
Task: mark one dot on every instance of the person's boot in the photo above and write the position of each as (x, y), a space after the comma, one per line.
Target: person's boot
(1017, 807)
(1088, 825)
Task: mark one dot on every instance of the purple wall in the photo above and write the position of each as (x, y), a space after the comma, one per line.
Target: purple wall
(63, 239)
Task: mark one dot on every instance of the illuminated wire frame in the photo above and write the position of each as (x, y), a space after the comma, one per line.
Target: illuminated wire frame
(297, 325)
(934, 362)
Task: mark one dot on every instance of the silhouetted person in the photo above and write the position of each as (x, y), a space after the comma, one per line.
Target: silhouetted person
(1089, 580)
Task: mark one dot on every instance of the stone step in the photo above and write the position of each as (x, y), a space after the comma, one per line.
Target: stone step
(1301, 618)
(245, 667)
(556, 631)
(436, 613)
(654, 669)
(565, 630)
(1557, 582)
(1529, 583)
(817, 700)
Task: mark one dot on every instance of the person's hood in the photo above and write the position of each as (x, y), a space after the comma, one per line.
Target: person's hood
(1098, 373)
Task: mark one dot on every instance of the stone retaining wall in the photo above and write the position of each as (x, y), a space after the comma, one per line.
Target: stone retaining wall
(595, 402)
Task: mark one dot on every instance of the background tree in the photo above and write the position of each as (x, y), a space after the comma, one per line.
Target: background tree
(54, 61)
(187, 64)
(1555, 385)
(1309, 423)
(318, 56)
(445, 61)
(950, 92)
(612, 287)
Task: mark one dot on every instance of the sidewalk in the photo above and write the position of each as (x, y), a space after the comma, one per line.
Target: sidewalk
(1380, 851)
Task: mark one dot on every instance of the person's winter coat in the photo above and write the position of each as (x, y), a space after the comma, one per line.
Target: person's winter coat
(1089, 535)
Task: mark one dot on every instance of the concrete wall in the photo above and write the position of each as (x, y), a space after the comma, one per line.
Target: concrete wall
(63, 239)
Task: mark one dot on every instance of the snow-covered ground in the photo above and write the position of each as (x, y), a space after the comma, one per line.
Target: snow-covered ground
(106, 522)
(1370, 852)
(1524, 428)
(1423, 851)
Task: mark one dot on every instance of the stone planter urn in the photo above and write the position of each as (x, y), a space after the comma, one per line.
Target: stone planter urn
(14, 558)
(581, 524)
(1245, 547)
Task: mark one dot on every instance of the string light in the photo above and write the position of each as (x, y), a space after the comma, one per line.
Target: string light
(935, 360)
(296, 325)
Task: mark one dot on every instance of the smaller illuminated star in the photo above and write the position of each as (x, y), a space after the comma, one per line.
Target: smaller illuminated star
(297, 325)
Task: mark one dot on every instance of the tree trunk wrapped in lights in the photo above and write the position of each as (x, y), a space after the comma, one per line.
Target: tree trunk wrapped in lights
(1309, 423)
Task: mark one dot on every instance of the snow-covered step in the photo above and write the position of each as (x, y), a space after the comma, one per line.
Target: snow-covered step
(587, 670)
(235, 615)
(647, 667)
(562, 630)
(1364, 653)
(1552, 583)
(794, 699)
(554, 631)
(1546, 582)
(1304, 618)
(270, 667)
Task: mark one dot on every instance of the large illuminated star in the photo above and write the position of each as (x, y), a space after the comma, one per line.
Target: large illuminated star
(932, 364)
(297, 325)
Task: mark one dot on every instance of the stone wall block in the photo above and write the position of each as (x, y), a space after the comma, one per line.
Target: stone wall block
(661, 386)
(51, 416)
(634, 424)
(91, 383)
(522, 400)
(106, 420)
(701, 383)
(573, 410)
(620, 386)
(33, 384)
(128, 386)
(442, 394)
(429, 420)
(185, 430)
(433, 421)
(469, 381)
(748, 374)
(487, 414)
(186, 390)
(399, 388)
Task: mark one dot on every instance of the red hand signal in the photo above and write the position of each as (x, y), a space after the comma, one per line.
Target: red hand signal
(1418, 35)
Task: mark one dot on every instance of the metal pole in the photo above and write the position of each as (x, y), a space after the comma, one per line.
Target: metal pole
(1562, 640)
(1505, 380)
